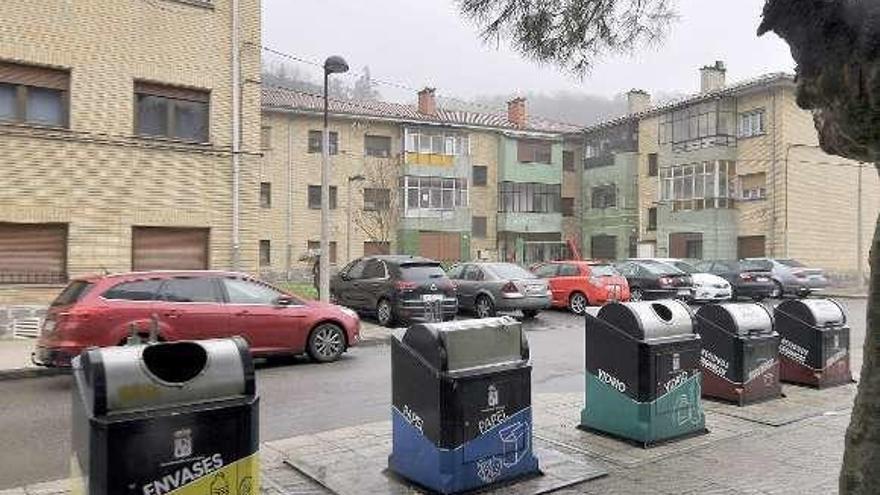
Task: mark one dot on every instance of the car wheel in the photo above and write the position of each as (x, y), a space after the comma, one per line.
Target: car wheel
(636, 295)
(778, 292)
(326, 343)
(484, 307)
(530, 314)
(578, 303)
(385, 313)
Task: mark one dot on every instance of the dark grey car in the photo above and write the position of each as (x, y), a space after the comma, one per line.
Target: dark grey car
(487, 288)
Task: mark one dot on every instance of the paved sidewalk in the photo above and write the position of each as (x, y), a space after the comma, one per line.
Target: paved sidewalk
(15, 360)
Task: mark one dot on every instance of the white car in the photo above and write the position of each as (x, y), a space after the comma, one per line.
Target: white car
(707, 287)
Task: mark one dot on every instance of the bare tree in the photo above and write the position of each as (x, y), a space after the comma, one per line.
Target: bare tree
(836, 44)
(378, 218)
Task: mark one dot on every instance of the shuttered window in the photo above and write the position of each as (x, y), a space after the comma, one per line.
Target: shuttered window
(33, 253)
(34, 95)
(169, 248)
(172, 112)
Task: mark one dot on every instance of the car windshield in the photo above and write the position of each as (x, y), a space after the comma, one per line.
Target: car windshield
(685, 267)
(73, 293)
(416, 271)
(661, 269)
(509, 271)
(754, 265)
(603, 271)
(792, 263)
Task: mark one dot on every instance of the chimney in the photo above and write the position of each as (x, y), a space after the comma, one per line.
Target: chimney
(637, 101)
(516, 111)
(427, 102)
(712, 77)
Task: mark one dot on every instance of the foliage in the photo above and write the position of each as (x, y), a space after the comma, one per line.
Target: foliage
(571, 34)
(284, 76)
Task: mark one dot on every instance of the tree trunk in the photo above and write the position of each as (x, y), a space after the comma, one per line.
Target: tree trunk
(860, 474)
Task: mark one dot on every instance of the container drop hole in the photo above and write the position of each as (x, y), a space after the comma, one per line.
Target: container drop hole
(177, 362)
(662, 311)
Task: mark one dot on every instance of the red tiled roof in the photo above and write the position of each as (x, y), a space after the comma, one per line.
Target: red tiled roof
(288, 99)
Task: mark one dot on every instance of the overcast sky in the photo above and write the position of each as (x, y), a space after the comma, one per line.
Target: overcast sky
(426, 43)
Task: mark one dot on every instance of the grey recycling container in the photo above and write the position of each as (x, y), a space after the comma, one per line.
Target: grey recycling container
(814, 349)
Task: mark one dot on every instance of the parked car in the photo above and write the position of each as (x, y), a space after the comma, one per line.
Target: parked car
(579, 284)
(748, 279)
(486, 288)
(649, 279)
(792, 277)
(395, 288)
(707, 287)
(102, 310)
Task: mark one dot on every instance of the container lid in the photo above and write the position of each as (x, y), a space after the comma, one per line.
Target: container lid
(466, 344)
(152, 376)
(815, 312)
(736, 318)
(650, 320)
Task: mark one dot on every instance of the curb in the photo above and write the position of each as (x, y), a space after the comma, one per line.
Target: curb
(22, 373)
(374, 341)
(844, 296)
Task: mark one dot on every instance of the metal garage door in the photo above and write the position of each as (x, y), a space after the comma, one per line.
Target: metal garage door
(750, 246)
(163, 248)
(33, 253)
(440, 246)
(603, 247)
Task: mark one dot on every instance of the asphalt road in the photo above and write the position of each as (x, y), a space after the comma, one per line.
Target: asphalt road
(297, 397)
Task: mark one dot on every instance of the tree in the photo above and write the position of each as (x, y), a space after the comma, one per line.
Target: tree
(379, 221)
(836, 44)
(364, 87)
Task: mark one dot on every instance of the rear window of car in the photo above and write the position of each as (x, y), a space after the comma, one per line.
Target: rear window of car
(754, 265)
(603, 271)
(137, 290)
(74, 291)
(661, 269)
(415, 271)
(685, 267)
(792, 263)
(509, 270)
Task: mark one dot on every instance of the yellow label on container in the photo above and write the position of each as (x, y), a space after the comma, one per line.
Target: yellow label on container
(239, 478)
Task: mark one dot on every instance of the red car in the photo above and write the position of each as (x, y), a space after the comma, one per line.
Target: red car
(101, 310)
(578, 284)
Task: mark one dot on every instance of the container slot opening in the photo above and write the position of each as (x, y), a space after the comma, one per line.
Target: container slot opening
(177, 362)
(662, 311)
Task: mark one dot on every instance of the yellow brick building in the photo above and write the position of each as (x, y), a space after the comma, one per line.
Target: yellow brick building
(116, 121)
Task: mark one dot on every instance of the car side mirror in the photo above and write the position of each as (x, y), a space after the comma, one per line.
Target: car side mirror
(284, 300)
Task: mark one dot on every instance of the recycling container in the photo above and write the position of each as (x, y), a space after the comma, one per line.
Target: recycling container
(740, 354)
(643, 372)
(171, 418)
(461, 404)
(814, 349)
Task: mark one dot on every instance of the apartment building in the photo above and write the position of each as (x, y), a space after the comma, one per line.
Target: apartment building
(411, 179)
(733, 171)
(117, 123)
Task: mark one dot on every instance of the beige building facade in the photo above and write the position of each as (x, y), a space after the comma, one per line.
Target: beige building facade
(116, 121)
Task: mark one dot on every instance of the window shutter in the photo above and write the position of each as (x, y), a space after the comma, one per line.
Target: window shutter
(29, 75)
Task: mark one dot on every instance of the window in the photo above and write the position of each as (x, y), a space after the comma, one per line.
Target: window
(568, 160)
(706, 124)
(473, 273)
(190, 290)
(534, 151)
(265, 138)
(652, 165)
(652, 219)
(753, 186)
(431, 141)
(547, 271)
(139, 290)
(171, 112)
(480, 175)
(603, 247)
(247, 292)
(355, 270)
(528, 197)
(751, 123)
(376, 199)
(317, 137)
(379, 146)
(568, 207)
(374, 269)
(34, 95)
(315, 246)
(603, 196)
(433, 193)
(478, 227)
(568, 270)
(265, 194)
(265, 253)
(699, 185)
(315, 197)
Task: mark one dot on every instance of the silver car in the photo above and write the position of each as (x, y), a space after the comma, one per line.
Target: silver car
(792, 276)
(488, 288)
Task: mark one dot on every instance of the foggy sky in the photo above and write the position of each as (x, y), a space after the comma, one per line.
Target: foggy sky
(421, 43)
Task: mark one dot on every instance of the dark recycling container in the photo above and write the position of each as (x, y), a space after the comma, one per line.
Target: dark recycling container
(461, 404)
(740, 355)
(643, 372)
(173, 418)
(814, 349)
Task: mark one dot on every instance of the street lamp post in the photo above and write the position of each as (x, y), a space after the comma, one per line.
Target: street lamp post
(353, 178)
(333, 65)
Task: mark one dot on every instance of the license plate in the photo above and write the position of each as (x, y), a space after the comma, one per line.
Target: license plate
(763, 279)
(432, 297)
